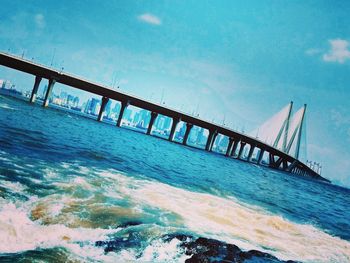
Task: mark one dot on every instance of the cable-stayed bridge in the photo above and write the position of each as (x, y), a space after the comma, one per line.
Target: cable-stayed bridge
(283, 131)
(276, 144)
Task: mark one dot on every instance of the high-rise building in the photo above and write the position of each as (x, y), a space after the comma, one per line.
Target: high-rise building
(145, 117)
(116, 108)
(6, 84)
(63, 96)
(201, 139)
(127, 115)
(76, 102)
(160, 123)
(167, 123)
(87, 106)
(181, 132)
(92, 106)
(70, 100)
(137, 118)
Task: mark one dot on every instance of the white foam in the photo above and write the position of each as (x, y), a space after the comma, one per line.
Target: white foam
(207, 215)
(227, 220)
(159, 251)
(15, 187)
(6, 106)
(18, 233)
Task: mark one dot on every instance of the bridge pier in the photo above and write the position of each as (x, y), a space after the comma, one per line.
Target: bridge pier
(251, 151)
(173, 129)
(292, 166)
(271, 160)
(241, 150)
(279, 162)
(150, 125)
(229, 146)
(35, 89)
(187, 133)
(299, 171)
(211, 139)
(234, 147)
(49, 92)
(261, 154)
(104, 102)
(284, 165)
(121, 112)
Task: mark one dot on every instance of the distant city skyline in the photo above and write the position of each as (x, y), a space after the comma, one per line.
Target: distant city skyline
(231, 62)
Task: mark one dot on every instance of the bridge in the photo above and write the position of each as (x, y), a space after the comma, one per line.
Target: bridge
(276, 155)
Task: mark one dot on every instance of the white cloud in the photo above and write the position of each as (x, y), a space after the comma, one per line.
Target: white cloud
(39, 20)
(339, 51)
(150, 19)
(339, 118)
(313, 51)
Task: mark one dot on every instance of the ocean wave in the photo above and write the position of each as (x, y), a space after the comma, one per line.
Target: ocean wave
(92, 207)
(6, 106)
(19, 233)
(227, 220)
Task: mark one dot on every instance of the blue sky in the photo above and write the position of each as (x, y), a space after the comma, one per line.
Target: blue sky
(238, 60)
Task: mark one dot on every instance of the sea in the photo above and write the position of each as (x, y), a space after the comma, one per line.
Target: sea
(76, 190)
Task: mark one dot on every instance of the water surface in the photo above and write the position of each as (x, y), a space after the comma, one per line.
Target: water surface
(67, 182)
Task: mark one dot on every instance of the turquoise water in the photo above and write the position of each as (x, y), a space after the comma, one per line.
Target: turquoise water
(67, 182)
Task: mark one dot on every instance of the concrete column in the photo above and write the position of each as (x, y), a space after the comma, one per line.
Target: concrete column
(278, 162)
(285, 165)
(234, 147)
(121, 112)
(271, 160)
(35, 89)
(292, 166)
(250, 154)
(241, 150)
(173, 129)
(261, 154)
(188, 130)
(48, 92)
(229, 146)
(104, 102)
(211, 139)
(153, 118)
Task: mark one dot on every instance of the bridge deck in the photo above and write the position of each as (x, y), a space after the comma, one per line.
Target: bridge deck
(39, 70)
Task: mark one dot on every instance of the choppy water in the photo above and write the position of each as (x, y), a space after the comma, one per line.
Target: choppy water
(67, 182)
